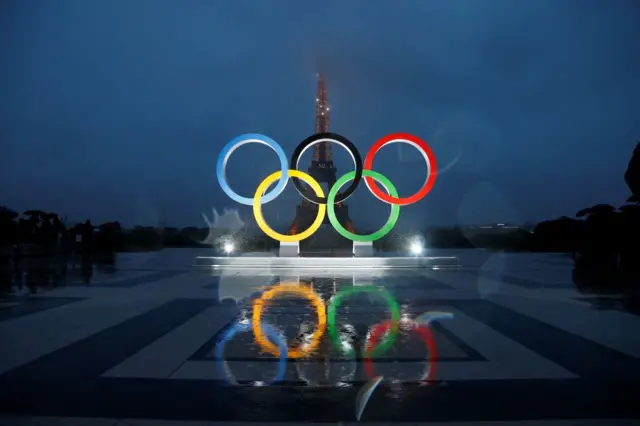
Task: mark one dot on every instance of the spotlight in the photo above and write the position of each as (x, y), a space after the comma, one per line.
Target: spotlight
(228, 247)
(416, 248)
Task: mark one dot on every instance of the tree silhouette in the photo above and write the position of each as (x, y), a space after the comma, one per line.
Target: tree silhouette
(599, 212)
(8, 226)
(599, 243)
(629, 226)
(632, 175)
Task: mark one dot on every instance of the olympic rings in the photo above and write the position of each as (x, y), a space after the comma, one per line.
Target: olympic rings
(336, 301)
(296, 290)
(242, 327)
(386, 228)
(257, 208)
(423, 331)
(316, 195)
(221, 167)
(320, 138)
(428, 157)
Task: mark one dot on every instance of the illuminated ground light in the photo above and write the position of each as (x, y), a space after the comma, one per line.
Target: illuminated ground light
(228, 247)
(416, 248)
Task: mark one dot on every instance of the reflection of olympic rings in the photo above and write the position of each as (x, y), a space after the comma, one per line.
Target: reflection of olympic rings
(423, 331)
(296, 290)
(344, 365)
(394, 326)
(241, 327)
(315, 195)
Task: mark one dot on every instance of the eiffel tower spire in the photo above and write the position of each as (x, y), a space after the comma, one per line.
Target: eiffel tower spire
(321, 168)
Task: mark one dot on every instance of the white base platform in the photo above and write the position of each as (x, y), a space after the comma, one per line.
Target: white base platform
(266, 262)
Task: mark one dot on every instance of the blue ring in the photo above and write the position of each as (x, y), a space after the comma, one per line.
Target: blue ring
(272, 335)
(221, 167)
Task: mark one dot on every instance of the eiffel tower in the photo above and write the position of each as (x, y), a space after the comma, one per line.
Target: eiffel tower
(322, 170)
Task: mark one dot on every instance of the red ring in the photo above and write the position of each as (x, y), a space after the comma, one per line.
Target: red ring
(423, 330)
(414, 141)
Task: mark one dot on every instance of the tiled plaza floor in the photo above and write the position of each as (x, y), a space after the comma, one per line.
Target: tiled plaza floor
(140, 343)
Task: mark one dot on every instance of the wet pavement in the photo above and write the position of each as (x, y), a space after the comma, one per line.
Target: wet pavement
(142, 341)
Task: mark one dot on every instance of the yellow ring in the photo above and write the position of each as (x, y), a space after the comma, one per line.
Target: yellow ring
(257, 207)
(296, 290)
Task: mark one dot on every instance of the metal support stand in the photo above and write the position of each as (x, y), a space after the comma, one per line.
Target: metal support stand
(289, 249)
(362, 249)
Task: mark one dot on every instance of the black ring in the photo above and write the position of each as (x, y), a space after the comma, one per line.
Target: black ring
(333, 138)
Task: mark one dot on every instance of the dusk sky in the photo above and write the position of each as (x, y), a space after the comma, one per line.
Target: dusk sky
(117, 110)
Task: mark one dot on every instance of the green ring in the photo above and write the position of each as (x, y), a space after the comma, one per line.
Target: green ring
(335, 303)
(386, 228)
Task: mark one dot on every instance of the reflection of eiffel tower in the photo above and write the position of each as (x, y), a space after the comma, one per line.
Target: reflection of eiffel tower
(321, 169)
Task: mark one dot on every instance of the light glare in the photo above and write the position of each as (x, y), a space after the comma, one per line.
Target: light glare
(416, 248)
